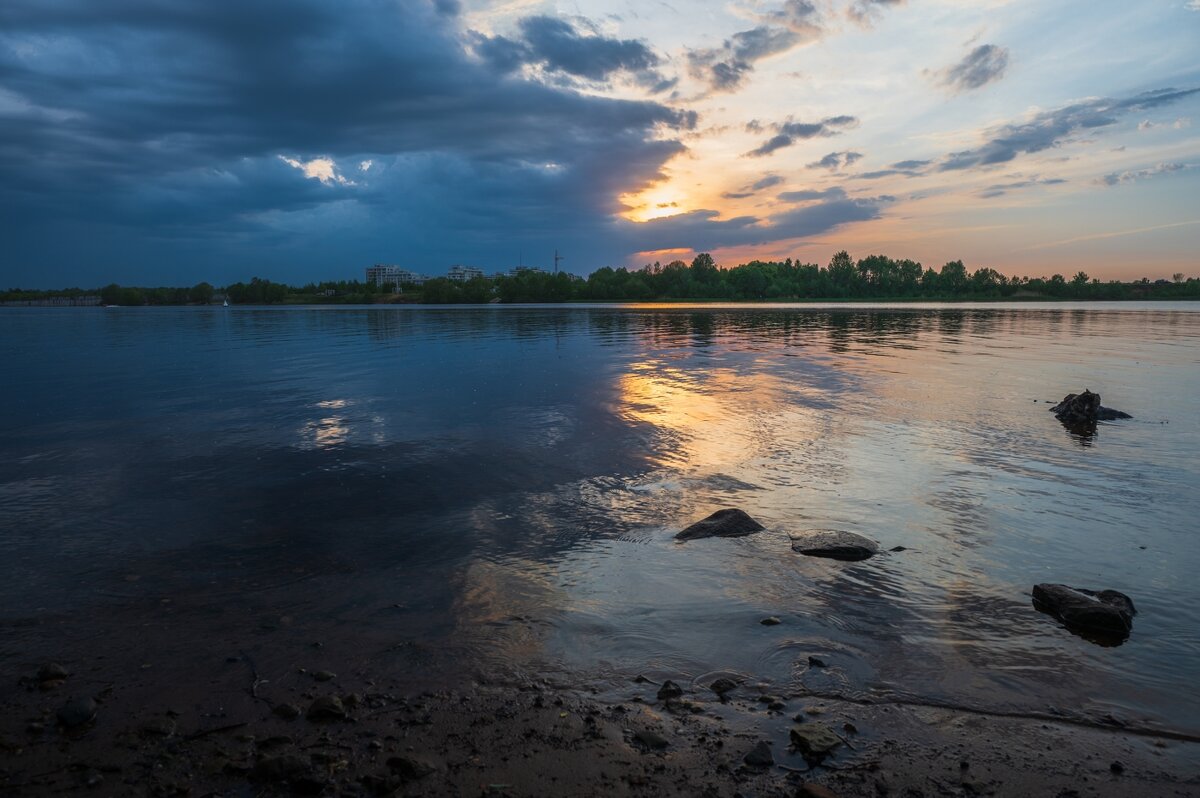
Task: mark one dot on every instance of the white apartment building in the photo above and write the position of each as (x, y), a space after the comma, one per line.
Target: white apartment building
(462, 274)
(382, 274)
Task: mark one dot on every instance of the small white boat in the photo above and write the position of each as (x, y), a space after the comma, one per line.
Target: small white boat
(226, 303)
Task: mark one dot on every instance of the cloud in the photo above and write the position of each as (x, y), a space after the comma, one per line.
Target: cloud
(983, 65)
(1000, 189)
(704, 230)
(789, 132)
(866, 12)
(753, 188)
(173, 134)
(910, 168)
(558, 46)
(1048, 129)
(799, 16)
(1179, 124)
(808, 195)
(835, 161)
(1118, 178)
(726, 68)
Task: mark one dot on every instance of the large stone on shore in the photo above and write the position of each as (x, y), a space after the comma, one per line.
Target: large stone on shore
(1082, 409)
(834, 544)
(1106, 613)
(814, 740)
(728, 523)
(77, 712)
(328, 707)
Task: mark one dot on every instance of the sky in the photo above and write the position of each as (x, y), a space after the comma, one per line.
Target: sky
(165, 142)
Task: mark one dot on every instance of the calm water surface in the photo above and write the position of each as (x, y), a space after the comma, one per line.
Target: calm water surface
(428, 487)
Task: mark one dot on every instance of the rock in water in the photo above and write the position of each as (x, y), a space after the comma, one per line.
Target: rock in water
(1106, 613)
(328, 707)
(669, 690)
(834, 544)
(722, 686)
(729, 523)
(760, 756)
(1082, 409)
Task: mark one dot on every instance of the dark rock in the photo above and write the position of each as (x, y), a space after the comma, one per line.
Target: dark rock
(772, 621)
(327, 707)
(651, 739)
(1083, 409)
(760, 756)
(834, 544)
(158, 727)
(1117, 767)
(409, 766)
(898, 548)
(286, 711)
(324, 676)
(285, 767)
(809, 790)
(1106, 613)
(816, 662)
(52, 671)
(722, 686)
(51, 684)
(669, 690)
(729, 523)
(77, 712)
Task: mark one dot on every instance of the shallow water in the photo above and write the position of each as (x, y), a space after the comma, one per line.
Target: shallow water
(436, 487)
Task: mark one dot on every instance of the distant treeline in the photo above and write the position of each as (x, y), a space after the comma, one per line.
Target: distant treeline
(871, 278)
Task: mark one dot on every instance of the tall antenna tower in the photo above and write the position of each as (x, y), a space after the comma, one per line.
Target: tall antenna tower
(557, 258)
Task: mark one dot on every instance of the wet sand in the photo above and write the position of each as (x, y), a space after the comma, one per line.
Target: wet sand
(221, 724)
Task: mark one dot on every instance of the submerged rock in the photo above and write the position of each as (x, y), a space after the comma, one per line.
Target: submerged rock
(760, 756)
(722, 685)
(669, 690)
(1107, 613)
(728, 523)
(834, 544)
(52, 671)
(1082, 409)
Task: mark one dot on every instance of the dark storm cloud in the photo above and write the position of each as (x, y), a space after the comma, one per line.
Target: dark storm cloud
(835, 161)
(725, 68)
(789, 132)
(156, 126)
(1048, 129)
(703, 230)
(983, 65)
(558, 46)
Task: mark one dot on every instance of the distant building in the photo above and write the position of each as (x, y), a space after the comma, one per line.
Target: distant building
(382, 274)
(461, 274)
(522, 269)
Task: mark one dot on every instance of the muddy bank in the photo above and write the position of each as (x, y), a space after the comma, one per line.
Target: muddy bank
(225, 726)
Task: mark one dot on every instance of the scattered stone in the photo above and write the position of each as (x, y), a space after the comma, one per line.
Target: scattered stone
(898, 548)
(816, 662)
(722, 686)
(324, 676)
(1081, 411)
(411, 767)
(52, 671)
(772, 621)
(327, 707)
(35, 728)
(286, 711)
(1107, 613)
(810, 790)
(51, 684)
(1116, 767)
(651, 739)
(835, 545)
(669, 690)
(814, 740)
(285, 767)
(77, 712)
(158, 727)
(760, 756)
(729, 523)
